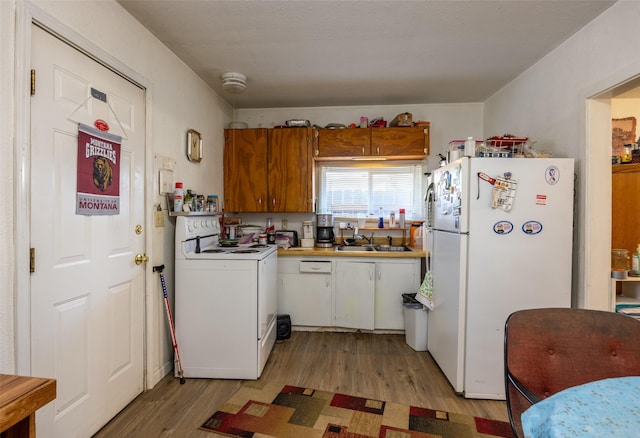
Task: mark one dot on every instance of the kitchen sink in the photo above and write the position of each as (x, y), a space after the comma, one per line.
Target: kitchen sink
(393, 248)
(373, 248)
(354, 248)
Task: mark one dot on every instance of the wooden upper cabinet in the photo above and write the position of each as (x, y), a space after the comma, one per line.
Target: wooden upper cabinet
(268, 170)
(406, 143)
(290, 170)
(245, 170)
(348, 142)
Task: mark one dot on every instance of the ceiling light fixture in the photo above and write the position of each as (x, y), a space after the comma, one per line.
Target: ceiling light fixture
(233, 83)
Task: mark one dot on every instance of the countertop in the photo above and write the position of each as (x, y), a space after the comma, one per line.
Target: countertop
(329, 252)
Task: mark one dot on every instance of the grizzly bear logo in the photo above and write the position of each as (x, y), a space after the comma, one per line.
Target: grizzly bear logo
(102, 173)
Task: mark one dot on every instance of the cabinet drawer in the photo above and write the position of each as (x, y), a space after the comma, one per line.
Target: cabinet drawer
(315, 266)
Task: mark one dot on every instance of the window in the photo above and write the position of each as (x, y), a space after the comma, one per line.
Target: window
(348, 190)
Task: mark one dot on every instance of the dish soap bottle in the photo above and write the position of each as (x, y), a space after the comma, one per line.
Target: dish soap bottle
(635, 262)
(380, 219)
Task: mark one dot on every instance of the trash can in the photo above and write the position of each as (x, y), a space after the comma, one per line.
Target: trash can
(415, 322)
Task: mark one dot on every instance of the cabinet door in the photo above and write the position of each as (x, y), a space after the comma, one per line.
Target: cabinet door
(354, 303)
(340, 143)
(306, 297)
(393, 278)
(408, 142)
(245, 170)
(290, 170)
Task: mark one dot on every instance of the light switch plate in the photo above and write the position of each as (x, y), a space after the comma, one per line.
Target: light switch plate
(158, 218)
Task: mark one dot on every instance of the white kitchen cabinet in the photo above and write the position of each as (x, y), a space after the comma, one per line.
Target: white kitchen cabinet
(355, 294)
(305, 291)
(393, 278)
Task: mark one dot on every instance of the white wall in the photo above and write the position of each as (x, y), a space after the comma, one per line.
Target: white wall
(549, 103)
(177, 100)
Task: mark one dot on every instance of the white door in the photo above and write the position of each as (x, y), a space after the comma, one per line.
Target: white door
(87, 294)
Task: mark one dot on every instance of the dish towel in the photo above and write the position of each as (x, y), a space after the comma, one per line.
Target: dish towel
(425, 293)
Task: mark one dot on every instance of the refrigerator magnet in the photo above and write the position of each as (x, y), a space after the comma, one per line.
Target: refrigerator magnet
(552, 175)
(532, 227)
(502, 227)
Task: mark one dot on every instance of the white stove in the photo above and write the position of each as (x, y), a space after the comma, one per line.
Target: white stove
(226, 302)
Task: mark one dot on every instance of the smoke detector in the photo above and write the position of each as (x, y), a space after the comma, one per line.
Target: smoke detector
(233, 82)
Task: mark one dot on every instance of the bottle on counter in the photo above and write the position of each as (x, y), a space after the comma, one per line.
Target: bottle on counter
(635, 262)
(200, 203)
(380, 219)
(188, 199)
(392, 219)
(270, 229)
(415, 234)
(212, 203)
(178, 197)
(401, 218)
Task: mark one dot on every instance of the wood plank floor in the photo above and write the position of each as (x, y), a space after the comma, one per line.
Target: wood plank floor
(378, 366)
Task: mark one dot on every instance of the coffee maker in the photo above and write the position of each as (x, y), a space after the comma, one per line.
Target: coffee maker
(324, 231)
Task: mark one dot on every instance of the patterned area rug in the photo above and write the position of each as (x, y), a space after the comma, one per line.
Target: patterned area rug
(264, 410)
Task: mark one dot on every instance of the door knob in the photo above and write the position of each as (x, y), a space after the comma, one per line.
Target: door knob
(141, 258)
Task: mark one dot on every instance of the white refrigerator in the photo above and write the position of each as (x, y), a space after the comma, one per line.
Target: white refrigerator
(500, 240)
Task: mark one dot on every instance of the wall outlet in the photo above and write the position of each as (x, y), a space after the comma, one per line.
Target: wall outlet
(158, 218)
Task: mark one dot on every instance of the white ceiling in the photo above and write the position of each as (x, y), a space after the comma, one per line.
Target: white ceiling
(311, 53)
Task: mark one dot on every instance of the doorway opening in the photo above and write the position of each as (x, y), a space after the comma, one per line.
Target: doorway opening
(601, 109)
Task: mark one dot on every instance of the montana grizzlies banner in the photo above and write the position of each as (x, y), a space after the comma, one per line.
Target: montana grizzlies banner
(98, 172)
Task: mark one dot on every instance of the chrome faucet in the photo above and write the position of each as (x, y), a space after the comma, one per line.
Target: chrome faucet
(362, 237)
